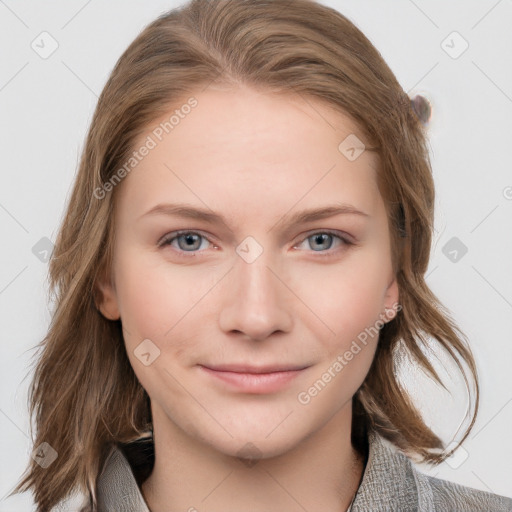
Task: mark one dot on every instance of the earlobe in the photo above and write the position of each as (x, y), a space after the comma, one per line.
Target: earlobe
(106, 301)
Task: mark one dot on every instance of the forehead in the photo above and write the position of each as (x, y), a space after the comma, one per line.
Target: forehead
(242, 147)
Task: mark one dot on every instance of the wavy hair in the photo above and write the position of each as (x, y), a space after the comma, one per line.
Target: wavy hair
(85, 396)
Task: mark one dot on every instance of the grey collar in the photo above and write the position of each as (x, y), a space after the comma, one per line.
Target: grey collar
(118, 489)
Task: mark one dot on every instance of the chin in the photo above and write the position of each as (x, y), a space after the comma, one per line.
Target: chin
(252, 441)
(251, 449)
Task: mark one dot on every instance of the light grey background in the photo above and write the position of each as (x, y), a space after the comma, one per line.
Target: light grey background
(45, 109)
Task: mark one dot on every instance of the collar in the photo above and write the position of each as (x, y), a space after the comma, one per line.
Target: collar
(388, 478)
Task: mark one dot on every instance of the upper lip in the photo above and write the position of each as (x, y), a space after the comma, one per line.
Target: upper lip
(244, 368)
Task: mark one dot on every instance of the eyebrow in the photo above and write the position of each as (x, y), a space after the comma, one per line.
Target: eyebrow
(206, 215)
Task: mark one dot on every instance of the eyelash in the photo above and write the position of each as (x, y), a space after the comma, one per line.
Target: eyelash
(169, 238)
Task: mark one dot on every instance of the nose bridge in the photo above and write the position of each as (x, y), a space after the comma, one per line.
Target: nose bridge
(252, 269)
(257, 282)
(255, 304)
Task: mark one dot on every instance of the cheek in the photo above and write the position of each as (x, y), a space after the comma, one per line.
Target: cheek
(349, 303)
(163, 303)
(345, 298)
(157, 304)
(153, 296)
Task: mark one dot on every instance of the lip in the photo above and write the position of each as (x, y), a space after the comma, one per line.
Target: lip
(250, 379)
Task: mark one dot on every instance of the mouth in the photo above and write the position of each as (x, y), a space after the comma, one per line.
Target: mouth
(254, 379)
(243, 368)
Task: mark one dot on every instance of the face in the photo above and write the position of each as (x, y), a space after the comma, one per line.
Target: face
(252, 284)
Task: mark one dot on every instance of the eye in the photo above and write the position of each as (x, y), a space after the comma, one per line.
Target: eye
(191, 241)
(322, 241)
(187, 241)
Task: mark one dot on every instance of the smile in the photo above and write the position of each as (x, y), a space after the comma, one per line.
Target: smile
(256, 382)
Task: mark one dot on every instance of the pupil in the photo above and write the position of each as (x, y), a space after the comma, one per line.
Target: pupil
(321, 238)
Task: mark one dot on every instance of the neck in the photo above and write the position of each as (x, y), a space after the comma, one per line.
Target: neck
(323, 472)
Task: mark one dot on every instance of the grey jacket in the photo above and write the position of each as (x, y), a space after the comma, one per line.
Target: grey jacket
(390, 483)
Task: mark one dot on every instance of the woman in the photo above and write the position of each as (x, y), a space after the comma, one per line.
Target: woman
(207, 351)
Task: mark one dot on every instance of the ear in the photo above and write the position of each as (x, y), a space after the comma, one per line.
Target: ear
(106, 299)
(391, 304)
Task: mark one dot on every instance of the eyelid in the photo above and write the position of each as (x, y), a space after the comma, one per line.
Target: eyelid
(336, 232)
(174, 234)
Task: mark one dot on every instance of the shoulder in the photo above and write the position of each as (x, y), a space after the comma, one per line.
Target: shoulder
(446, 495)
(72, 503)
(116, 488)
(391, 483)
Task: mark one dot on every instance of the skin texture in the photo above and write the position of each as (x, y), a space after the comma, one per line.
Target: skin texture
(256, 158)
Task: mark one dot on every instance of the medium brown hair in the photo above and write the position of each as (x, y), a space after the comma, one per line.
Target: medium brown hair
(85, 396)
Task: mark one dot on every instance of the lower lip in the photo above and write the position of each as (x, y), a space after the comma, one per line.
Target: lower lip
(255, 382)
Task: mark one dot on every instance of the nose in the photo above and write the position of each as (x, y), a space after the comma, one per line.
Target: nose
(256, 302)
